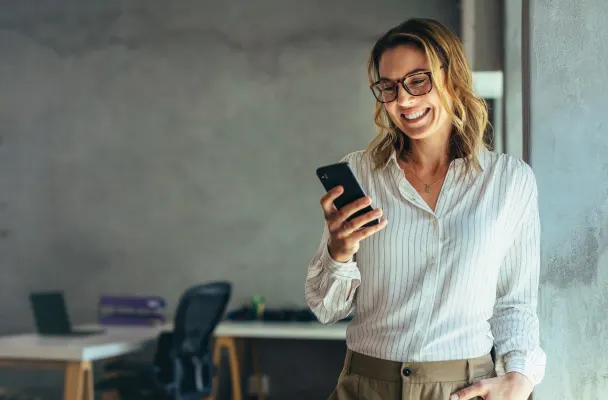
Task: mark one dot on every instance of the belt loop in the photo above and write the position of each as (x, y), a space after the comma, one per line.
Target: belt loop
(470, 372)
(347, 361)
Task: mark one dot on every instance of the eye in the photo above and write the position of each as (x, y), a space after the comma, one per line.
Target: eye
(417, 81)
(387, 88)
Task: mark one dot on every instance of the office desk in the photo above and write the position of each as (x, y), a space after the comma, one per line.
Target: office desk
(281, 330)
(228, 332)
(76, 354)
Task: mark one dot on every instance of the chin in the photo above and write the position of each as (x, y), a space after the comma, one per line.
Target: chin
(416, 134)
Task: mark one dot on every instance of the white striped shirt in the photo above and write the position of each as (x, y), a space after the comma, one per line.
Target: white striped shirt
(443, 285)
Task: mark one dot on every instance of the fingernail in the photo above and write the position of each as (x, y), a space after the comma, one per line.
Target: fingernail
(454, 397)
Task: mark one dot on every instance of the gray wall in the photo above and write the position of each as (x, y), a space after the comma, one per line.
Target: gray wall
(150, 145)
(488, 35)
(512, 52)
(569, 153)
(482, 33)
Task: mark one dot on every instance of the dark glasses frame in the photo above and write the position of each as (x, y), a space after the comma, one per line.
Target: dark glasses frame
(402, 82)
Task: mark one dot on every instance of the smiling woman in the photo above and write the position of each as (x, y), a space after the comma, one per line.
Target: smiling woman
(414, 58)
(451, 271)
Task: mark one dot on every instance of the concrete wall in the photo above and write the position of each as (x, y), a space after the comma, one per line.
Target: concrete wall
(150, 145)
(488, 35)
(512, 52)
(569, 153)
(482, 33)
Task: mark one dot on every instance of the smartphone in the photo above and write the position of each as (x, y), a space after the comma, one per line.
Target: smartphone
(341, 174)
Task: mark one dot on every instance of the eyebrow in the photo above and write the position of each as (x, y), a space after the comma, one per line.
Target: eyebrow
(414, 71)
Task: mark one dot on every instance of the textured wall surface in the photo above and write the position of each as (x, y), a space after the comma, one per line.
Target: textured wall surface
(150, 145)
(513, 139)
(489, 35)
(569, 153)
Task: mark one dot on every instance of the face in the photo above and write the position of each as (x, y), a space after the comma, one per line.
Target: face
(419, 117)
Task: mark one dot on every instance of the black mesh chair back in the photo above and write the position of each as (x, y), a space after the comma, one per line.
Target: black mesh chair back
(199, 311)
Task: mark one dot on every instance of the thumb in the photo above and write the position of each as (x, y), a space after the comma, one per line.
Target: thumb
(468, 393)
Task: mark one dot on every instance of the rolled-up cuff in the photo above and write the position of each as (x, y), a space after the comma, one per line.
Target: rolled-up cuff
(531, 366)
(348, 270)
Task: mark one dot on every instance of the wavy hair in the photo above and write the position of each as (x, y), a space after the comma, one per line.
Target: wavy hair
(469, 113)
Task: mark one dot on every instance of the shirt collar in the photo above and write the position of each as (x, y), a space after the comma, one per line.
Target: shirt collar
(392, 160)
(482, 156)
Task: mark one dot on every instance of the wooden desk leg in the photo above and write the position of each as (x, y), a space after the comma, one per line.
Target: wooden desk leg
(235, 370)
(89, 391)
(229, 344)
(78, 381)
(217, 361)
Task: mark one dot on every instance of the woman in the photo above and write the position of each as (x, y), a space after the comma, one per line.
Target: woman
(452, 269)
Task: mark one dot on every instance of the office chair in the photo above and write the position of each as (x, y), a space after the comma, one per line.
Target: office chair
(182, 368)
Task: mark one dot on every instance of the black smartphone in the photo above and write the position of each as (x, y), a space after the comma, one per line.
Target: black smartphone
(341, 174)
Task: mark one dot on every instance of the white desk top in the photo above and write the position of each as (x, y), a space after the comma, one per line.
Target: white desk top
(114, 342)
(282, 330)
(119, 340)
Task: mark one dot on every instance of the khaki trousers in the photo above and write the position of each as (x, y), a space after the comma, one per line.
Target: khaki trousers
(369, 378)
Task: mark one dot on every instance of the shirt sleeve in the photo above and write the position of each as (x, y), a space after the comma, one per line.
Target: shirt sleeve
(515, 324)
(331, 285)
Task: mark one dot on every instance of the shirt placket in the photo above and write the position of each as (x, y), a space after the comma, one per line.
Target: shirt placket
(430, 282)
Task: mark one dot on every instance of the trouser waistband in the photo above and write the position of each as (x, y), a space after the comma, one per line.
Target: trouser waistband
(419, 372)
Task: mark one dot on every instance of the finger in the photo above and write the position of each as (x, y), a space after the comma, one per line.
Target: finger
(356, 223)
(345, 212)
(327, 201)
(478, 389)
(341, 231)
(369, 231)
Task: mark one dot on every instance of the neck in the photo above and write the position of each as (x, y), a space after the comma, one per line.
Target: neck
(430, 155)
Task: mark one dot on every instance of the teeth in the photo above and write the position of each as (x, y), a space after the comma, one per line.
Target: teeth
(414, 115)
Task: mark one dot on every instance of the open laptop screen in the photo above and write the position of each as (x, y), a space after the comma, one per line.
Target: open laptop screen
(50, 313)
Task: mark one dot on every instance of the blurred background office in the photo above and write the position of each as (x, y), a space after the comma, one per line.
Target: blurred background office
(146, 146)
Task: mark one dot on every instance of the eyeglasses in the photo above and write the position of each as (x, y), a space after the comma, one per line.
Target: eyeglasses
(417, 84)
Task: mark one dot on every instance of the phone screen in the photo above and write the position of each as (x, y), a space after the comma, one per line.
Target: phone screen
(341, 174)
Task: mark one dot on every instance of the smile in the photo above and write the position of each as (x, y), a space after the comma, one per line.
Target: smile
(416, 116)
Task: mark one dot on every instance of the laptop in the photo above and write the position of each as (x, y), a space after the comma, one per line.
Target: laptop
(51, 316)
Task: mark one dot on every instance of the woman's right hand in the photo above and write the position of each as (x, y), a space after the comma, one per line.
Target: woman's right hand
(344, 236)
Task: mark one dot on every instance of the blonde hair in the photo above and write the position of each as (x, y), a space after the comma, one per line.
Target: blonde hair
(469, 113)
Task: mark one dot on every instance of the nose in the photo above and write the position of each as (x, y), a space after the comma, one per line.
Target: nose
(403, 97)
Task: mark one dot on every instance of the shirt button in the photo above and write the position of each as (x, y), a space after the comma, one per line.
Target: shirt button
(407, 372)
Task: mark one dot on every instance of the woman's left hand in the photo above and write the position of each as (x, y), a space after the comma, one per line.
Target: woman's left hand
(512, 386)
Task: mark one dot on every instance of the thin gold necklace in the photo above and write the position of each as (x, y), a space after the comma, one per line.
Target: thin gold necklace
(427, 186)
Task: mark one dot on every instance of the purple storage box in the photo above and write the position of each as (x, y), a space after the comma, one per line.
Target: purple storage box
(131, 310)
